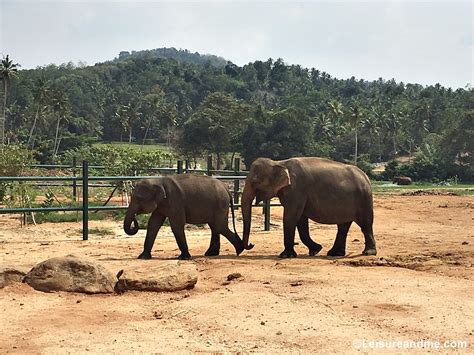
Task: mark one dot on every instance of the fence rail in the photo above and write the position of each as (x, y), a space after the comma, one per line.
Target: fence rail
(236, 177)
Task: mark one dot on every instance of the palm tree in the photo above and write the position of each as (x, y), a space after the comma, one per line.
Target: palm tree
(8, 70)
(355, 113)
(133, 116)
(60, 102)
(41, 92)
(121, 115)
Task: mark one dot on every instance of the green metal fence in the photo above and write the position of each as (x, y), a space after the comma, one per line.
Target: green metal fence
(235, 175)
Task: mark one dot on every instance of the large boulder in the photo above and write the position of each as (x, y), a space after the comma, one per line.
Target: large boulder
(10, 275)
(71, 274)
(165, 276)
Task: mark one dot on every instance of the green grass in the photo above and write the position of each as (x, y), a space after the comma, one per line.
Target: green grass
(386, 187)
(147, 147)
(58, 217)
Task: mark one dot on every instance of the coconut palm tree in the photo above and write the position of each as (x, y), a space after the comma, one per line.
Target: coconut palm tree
(355, 116)
(8, 70)
(41, 92)
(60, 103)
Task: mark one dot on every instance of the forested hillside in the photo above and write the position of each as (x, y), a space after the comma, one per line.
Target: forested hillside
(205, 105)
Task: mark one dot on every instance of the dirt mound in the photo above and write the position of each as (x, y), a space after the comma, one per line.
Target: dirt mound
(429, 193)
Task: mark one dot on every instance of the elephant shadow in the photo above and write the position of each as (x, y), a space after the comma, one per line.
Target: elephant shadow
(240, 257)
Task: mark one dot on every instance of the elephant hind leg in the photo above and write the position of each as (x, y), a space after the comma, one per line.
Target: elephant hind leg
(303, 230)
(370, 248)
(339, 247)
(215, 246)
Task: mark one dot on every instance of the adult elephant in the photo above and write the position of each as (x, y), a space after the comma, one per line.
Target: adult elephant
(322, 190)
(186, 198)
(402, 180)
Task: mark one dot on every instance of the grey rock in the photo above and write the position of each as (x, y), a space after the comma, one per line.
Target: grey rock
(165, 276)
(10, 275)
(71, 274)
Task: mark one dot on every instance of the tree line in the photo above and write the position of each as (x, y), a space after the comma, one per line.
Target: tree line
(202, 104)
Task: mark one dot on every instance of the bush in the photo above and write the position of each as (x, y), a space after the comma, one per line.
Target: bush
(15, 159)
(119, 160)
(364, 164)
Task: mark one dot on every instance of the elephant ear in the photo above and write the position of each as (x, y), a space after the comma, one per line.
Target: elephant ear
(281, 178)
(149, 191)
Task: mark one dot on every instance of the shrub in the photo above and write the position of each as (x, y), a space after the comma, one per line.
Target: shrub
(15, 159)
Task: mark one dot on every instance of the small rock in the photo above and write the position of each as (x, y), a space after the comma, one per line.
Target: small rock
(234, 276)
(266, 282)
(465, 243)
(225, 283)
(262, 323)
(356, 240)
(78, 301)
(279, 332)
(157, 315)
(296, 283)
(355, 306)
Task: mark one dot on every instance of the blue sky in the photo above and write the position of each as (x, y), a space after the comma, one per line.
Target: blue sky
(424, 42)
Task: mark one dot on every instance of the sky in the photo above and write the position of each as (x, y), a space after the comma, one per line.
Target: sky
(425, 42)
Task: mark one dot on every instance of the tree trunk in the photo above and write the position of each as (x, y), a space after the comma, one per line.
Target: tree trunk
(355, 148)
(30, 138)
(56, 137)
(146, 132)
(4, 118)
(218, 163)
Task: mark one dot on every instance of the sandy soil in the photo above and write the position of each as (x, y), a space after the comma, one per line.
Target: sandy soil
(419, 287)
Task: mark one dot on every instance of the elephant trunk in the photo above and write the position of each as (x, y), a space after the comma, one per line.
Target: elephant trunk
(130, 224)
(247, 197)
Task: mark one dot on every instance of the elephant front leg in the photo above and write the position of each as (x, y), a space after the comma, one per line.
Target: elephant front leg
(178, 230)
(155, 222)
(291, 217)
(303, 230)
(339, 247)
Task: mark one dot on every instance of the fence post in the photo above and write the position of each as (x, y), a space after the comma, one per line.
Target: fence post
(209, 165)
(85, 200)
(266, 211)
(236, 181)
(74, 183)
(179, 166)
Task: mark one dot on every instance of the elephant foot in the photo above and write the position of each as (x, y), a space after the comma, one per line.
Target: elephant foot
(370, 251)
(315, 249)
(336, 252)
(184, 256)
(288, 254)
(239, 250)
(212, 252)
(145, 256)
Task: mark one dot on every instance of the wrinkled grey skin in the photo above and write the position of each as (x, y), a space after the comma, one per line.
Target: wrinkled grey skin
(402, 180)
(322, 190)
(186, 198)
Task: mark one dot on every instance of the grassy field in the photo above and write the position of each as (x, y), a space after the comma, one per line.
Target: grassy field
(387, 187)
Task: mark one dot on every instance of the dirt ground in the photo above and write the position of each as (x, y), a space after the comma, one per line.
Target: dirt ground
(419, 287)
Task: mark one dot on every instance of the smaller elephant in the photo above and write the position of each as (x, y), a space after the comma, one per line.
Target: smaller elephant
(186, 198)
(402, 180)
